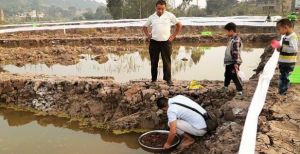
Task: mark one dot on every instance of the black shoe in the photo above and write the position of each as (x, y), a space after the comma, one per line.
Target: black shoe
(153, 82)
(283, 93)
(170, 83)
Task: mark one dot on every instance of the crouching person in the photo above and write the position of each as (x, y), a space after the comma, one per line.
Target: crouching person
(185, 117)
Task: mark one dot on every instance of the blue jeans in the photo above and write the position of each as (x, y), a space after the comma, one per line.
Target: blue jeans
(285, 71)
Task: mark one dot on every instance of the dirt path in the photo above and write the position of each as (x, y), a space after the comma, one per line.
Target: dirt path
(279, 122)
(279, 129)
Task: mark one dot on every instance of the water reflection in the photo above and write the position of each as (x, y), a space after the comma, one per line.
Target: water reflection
(24, 132)
(188, 63)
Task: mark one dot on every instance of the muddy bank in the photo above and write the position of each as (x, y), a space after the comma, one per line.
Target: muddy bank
(127, 35)
(102, 103)
(279, 122)
(127, 31)
(122, 40)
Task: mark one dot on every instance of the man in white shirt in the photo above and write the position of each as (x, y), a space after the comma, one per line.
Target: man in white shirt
(161, 39)
(183, 119)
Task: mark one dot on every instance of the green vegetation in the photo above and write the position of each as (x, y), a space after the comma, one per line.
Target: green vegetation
(18, 11)
(131, 9)
(121, 132)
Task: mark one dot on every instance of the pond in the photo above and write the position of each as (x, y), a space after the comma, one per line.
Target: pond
(188, 63)
(27, 133)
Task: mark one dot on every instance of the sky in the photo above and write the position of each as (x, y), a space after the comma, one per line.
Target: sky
(202, 3)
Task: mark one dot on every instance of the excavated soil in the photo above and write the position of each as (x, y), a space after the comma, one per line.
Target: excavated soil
(155, 140)
(103, 103)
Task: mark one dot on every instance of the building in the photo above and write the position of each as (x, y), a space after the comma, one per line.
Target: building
(297, 5)
(31, 14)
(278, 6)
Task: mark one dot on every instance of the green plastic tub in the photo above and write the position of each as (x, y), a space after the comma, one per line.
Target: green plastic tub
(295, 76)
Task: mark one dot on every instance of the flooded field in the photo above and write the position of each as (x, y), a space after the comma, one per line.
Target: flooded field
(188, 63)
(26, 133)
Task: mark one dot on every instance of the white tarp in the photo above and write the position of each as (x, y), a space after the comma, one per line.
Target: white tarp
(297, 3)
(187, 21)
(248, 142)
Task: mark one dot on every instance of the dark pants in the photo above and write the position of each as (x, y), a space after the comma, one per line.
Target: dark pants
(285, 71)
(231, 74)
(165, 48)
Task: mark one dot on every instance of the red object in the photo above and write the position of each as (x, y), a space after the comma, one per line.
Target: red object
(275, 44)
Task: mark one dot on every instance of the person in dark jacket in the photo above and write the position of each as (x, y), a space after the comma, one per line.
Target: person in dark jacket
(233, 60)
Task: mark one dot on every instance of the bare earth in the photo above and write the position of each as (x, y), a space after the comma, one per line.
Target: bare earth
(104, 103)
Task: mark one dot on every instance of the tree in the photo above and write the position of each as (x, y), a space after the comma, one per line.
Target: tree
(215, 7)
(130, 8)
(88, 15)
(195, 11)
(115, 8)
(34, 4)
(101, 13)
(72, 9)
(184, 4)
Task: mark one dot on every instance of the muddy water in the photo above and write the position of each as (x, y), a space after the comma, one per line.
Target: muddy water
(188, 63)
(26, 133)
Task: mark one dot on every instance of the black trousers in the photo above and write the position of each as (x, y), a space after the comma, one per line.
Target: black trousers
(231, 74)
(165, 49)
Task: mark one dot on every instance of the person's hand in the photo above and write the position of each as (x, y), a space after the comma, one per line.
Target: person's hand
(171, 38)
(236, 67)
(275, 44)
(167, 146)
(149, 37)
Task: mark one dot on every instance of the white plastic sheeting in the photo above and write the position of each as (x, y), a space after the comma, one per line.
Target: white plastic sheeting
(248, 142)
(188, 21)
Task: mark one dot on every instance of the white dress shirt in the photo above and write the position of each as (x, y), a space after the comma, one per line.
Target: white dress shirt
(161, 25)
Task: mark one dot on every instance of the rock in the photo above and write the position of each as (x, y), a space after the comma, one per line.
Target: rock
(184, 59)
(152, 98)
(262, 138)
(165, 93)
(163, 86)
(148, 93)
(96, 109)
(229, 116)
(133, 90)
(101, 59)
(82, 57)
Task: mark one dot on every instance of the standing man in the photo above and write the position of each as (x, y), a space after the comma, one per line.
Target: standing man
(161, 39)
